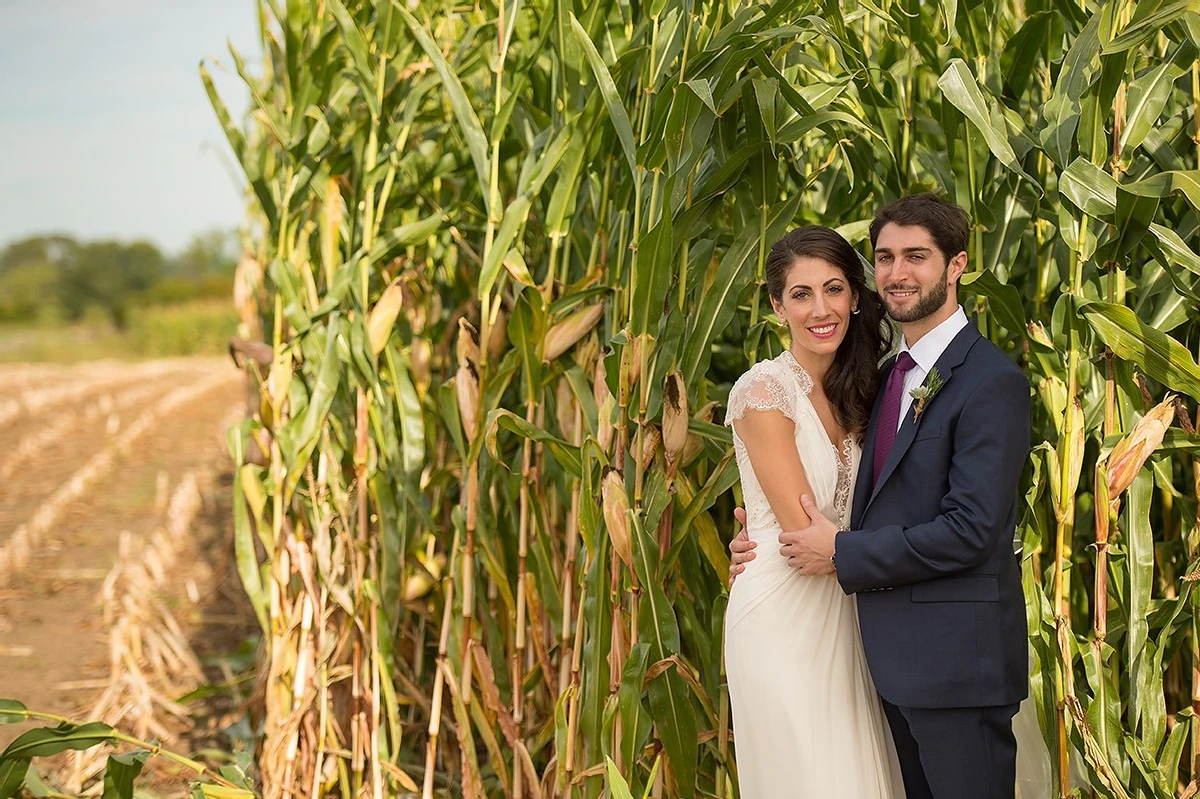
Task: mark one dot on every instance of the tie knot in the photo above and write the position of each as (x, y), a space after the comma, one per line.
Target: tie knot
(904, 362)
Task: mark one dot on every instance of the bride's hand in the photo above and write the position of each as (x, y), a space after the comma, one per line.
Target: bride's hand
(741, 548)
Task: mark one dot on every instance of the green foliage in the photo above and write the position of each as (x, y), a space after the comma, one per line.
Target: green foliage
(122, 769)
(45, 278)
(105, 274)
(555, 155)
(191, 328)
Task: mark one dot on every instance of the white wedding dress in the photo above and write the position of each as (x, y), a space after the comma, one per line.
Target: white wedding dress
(807, 721)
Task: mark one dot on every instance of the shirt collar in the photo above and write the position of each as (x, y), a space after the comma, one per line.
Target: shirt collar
(931, 345)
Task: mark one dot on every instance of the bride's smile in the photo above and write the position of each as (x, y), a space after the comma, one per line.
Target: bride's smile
(818, 302)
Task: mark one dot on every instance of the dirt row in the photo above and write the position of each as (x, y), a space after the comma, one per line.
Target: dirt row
(53, 645)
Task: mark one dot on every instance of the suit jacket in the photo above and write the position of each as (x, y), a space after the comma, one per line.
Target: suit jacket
(930, 550)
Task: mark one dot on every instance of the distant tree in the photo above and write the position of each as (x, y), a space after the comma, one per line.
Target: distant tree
(28, 292)
(55, 275)
(208, 254)
(53, 249)
(30, 269)
(108, 274)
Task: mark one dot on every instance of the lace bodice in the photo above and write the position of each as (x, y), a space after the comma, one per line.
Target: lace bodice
(781, 384)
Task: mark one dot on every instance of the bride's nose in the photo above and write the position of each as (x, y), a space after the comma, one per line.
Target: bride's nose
(820, 307)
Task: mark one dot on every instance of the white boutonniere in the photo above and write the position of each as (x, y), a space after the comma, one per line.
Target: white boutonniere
(923, 394)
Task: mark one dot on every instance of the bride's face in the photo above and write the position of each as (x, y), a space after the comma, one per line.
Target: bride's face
(817, 303)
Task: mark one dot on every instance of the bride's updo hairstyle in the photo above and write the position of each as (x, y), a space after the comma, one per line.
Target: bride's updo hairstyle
(853, 380)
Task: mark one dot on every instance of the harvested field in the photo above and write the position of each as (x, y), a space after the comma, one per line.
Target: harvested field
(117, 587)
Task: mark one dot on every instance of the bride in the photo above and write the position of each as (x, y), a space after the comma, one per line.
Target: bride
(807, 720)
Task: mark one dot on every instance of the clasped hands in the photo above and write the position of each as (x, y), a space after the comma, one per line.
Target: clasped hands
(809, 550)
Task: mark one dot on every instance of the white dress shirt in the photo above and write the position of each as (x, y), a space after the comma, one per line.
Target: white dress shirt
(926, 352)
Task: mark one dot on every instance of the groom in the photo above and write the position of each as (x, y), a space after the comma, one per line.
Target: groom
(929, 551)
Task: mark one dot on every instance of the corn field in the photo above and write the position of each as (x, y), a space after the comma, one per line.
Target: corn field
(508, 262)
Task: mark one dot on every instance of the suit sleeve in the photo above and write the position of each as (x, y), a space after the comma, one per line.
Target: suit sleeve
(991, 444)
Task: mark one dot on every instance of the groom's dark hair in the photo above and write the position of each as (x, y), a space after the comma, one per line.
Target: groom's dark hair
(946, 222)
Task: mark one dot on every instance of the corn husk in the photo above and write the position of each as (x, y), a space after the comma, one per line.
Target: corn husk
(605, 404)
(1132, 451)
(466, 386)
(675, 417)
(498, 336)
(422, 354)
(650, 441)
(563, 335)
(616, 515)
(1070, 454)
(631, 366)
(383, 316)
(466, 347)
(695, 444)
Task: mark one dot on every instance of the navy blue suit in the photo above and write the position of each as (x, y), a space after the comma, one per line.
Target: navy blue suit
(930, 555)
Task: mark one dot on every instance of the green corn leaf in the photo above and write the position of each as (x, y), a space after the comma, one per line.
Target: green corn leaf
(11, 712)
(608, 90)
(959, 86)
(566, 454)
(48, 741)
(121, 772)
(325, 387)
(652, 277)
(1089, 188)
(635, 721)
(617, 787)
(1160, 356)
(12, 775)
(1063, 108)
(674, 717)
(1166, 183)
(1173, 250)
(1003, 300)
(1144, 27)
(464, 112)
(1145, 101)
(396, 239)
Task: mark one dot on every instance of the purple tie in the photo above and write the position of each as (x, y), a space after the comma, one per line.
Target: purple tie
(889, 412)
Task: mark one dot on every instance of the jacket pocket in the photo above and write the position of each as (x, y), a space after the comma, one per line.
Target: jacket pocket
(959, 588)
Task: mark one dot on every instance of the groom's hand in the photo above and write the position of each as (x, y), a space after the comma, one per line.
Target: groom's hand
(741, 548)
(810, 550)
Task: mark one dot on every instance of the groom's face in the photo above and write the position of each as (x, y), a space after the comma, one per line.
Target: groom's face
(912, 275)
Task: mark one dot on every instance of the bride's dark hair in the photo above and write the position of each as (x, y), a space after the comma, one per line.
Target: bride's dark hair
(853, 380)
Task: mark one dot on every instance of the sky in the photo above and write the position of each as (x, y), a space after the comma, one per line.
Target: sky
(106, 131)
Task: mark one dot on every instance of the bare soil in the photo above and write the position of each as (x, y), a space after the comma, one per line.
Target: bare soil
(53, 644)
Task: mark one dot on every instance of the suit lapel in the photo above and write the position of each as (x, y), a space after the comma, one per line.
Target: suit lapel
(952, 356)
(862, 490)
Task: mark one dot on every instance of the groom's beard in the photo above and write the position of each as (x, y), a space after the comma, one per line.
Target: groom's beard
(926, 304)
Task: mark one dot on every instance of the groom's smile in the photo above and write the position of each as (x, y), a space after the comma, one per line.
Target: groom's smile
(913, 274)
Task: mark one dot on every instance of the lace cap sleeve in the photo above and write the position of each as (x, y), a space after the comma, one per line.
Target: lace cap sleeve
(761, 389)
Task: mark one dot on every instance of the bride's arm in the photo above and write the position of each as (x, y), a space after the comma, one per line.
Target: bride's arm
(770, 440)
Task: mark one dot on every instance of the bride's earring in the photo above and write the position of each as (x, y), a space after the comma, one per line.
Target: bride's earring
(855, 311)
